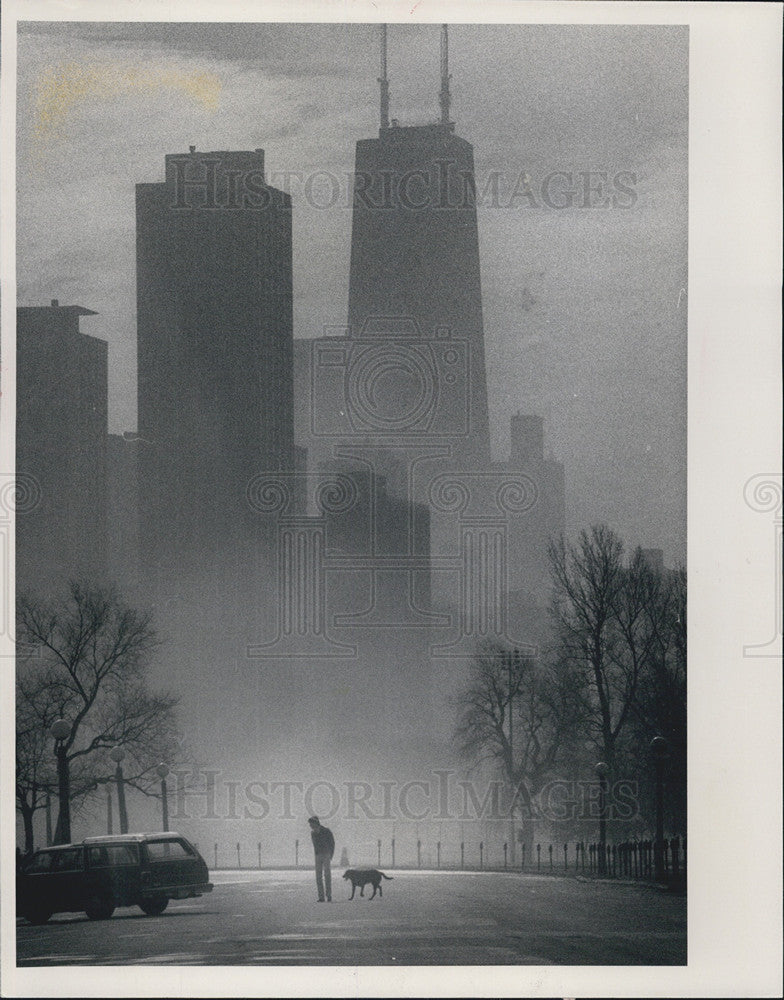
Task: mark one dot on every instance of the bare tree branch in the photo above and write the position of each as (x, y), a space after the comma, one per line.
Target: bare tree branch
(85, 659)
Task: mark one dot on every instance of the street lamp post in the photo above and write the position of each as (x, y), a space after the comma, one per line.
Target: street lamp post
(48, 807)
(61, 730)
(601, 769)
(659, 748)
(162, 771)
(511, 749)
(118, 756)
(109, 817)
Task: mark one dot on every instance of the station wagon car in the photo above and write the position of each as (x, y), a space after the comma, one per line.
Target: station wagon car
(101, 873)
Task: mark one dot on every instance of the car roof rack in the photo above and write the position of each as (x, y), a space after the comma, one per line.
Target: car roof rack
(114, 838)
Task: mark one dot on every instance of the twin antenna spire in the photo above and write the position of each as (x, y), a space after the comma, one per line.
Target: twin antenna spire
(383, 81)
(444, 97)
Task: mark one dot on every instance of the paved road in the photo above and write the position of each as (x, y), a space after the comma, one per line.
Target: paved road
(424, 918)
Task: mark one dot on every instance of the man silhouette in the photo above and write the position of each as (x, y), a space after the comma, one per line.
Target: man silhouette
(324, 846)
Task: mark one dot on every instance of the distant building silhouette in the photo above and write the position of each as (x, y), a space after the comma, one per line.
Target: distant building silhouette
(529, 564)
(302, 350)
(214, 299)
(384, 543)
(529, 537)
(654, 559)
(61, 430)
(122, 502)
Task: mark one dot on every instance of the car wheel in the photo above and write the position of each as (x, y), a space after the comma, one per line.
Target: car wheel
(155, 906)
(100, 908)
(39, 915)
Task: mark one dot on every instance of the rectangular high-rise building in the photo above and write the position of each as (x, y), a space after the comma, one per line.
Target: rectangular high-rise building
(415, 296)
(408, 384)
(61, 432)
(214, 296)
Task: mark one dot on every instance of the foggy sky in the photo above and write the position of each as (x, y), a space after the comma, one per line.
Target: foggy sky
(584, 308)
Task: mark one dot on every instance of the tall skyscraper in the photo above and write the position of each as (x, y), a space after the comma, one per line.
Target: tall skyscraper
(214, 295)
(61, 432)
(415, 257)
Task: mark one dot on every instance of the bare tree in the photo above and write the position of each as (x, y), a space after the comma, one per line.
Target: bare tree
(621, 635)
(587, 592)
(485, 705)
(640, 612)
(520, 714)
(35, 776)
(84, 659)
(660, 705)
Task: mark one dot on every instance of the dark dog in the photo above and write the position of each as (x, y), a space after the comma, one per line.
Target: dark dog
(362, 876)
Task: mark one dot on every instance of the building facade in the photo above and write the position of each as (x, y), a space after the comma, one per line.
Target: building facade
(414, 288)
(61, 433)
(214, 299)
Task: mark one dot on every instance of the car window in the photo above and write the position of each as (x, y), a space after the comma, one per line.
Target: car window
(39, 863)
(168, 850)
(67, 861)
(111, 855)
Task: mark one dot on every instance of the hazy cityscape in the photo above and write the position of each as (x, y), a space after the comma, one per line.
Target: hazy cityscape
(351, 450)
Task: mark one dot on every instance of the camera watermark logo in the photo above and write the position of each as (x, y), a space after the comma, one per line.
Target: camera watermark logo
(763, 493)
(19, 495)
(301, 596)
(475, 509)
(390, 382)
